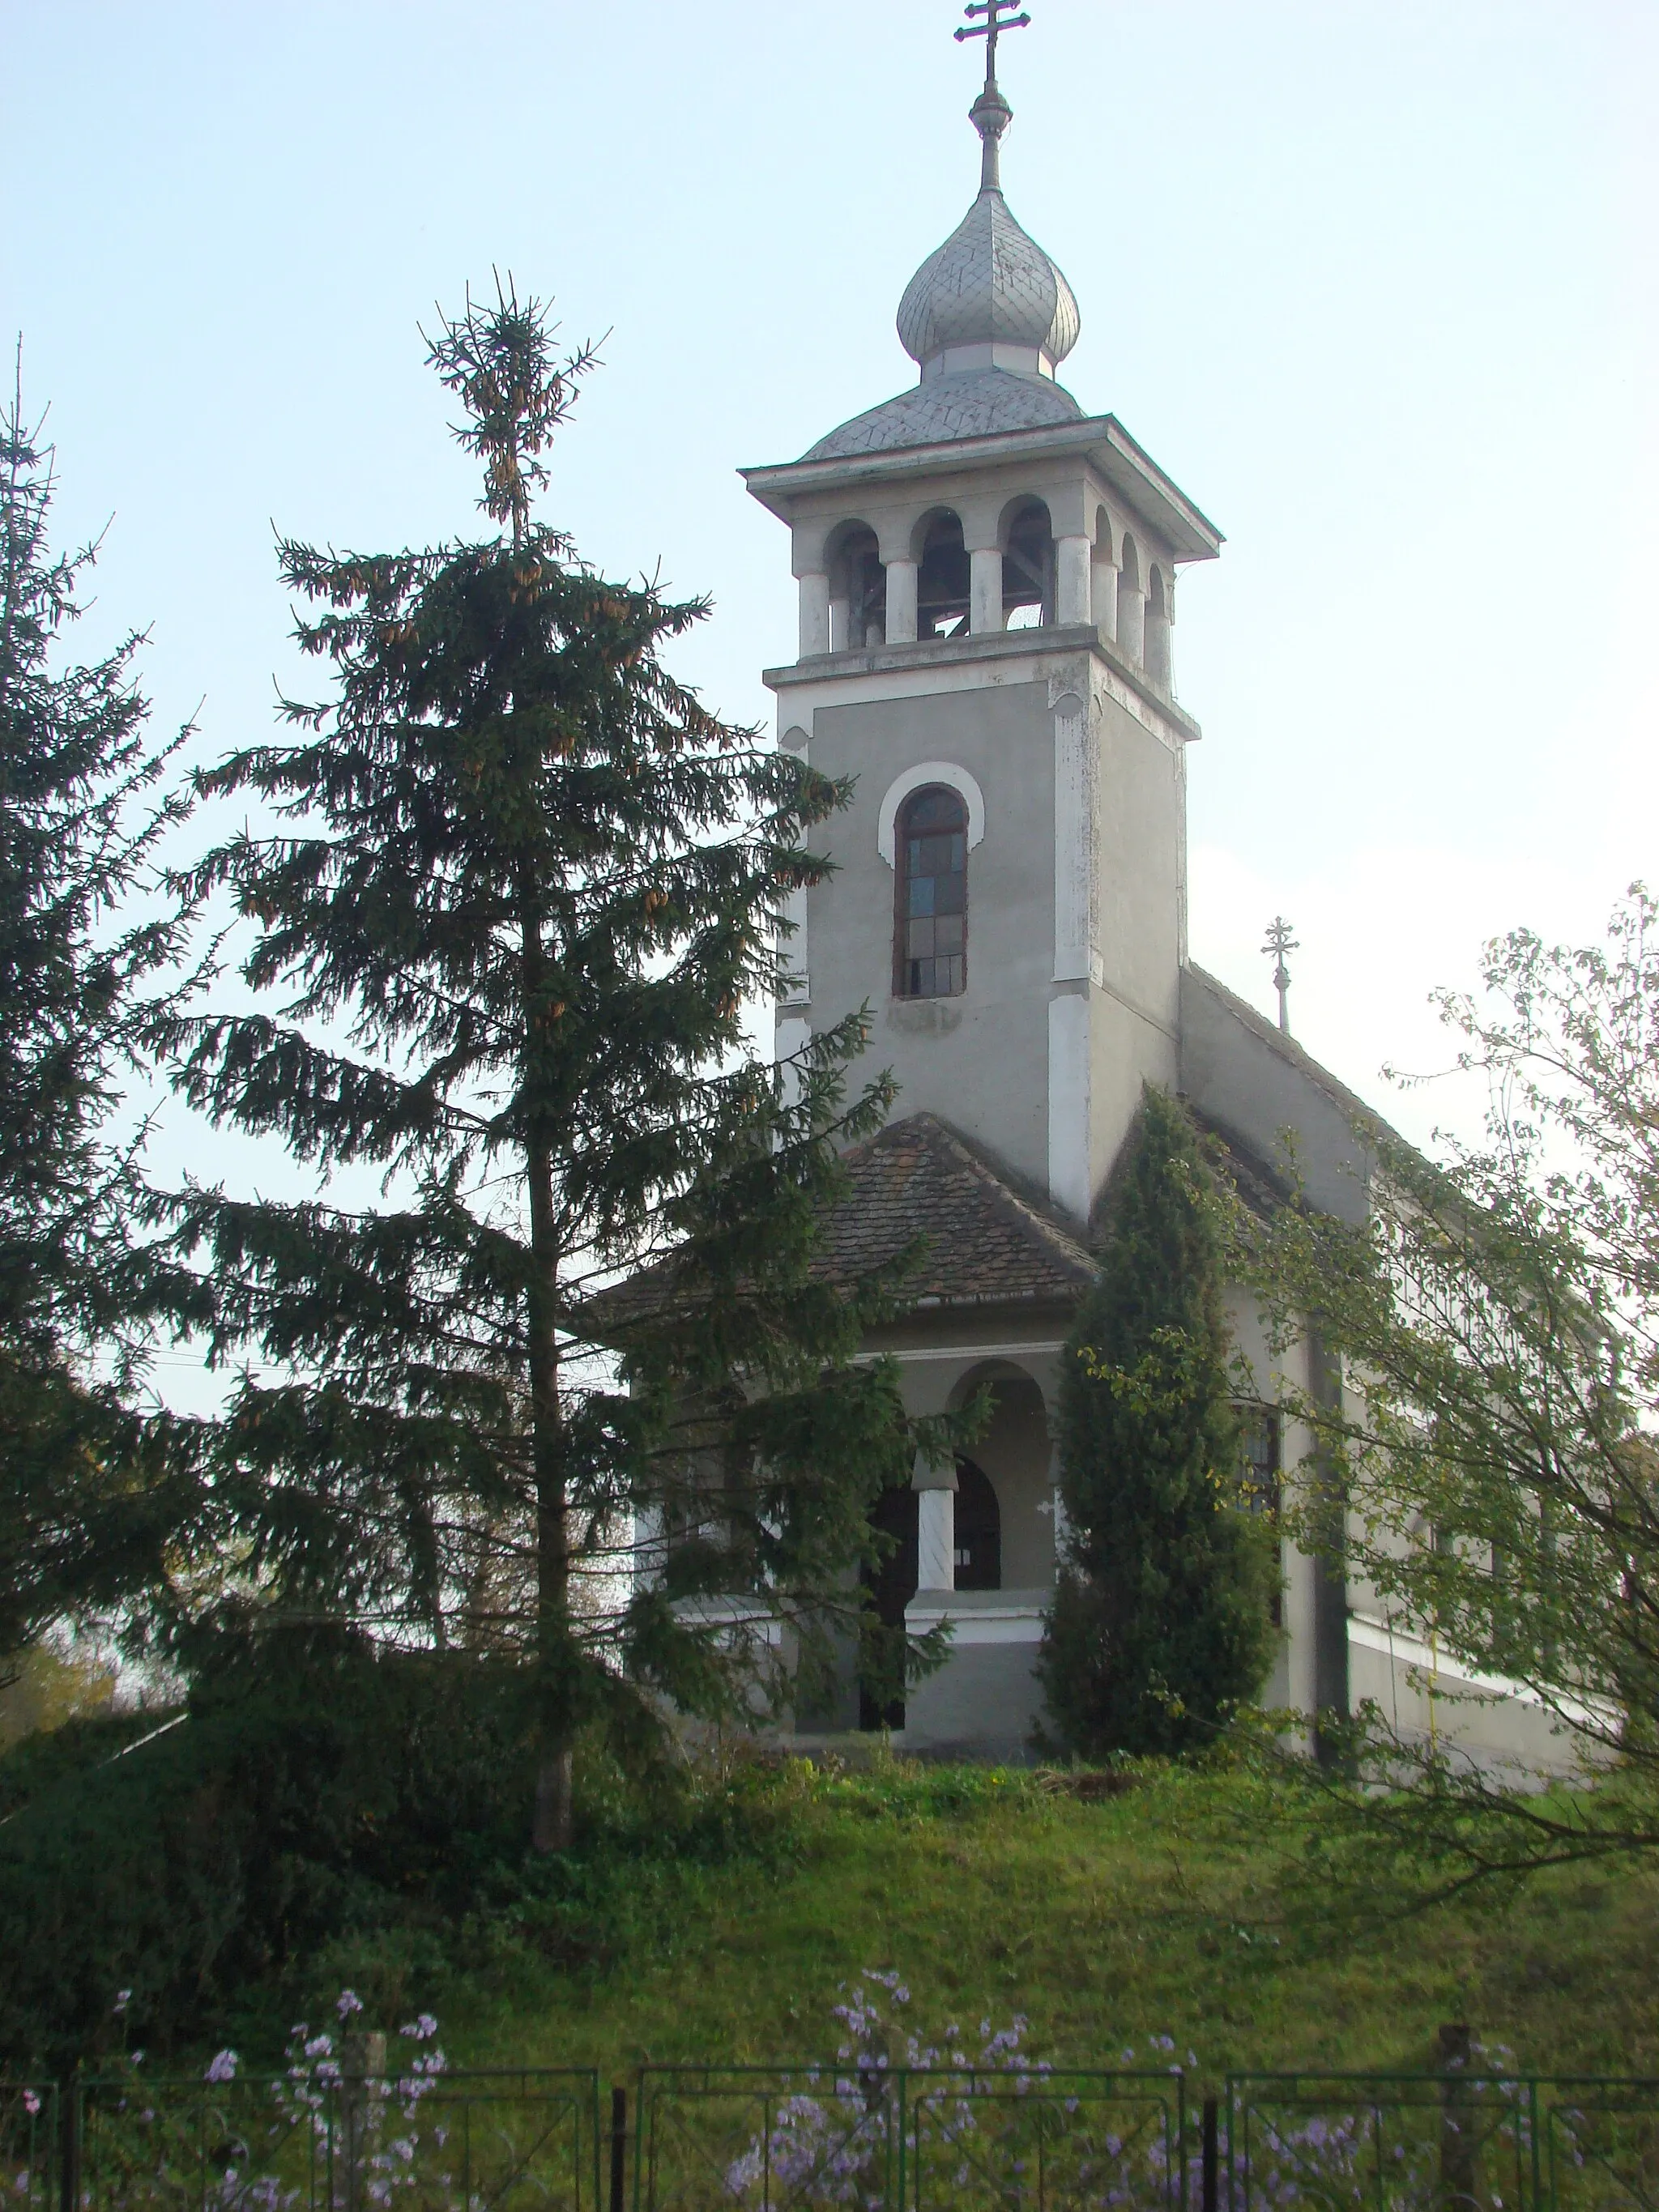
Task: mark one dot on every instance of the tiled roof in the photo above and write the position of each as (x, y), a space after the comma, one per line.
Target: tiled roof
(985, 1244)
(976, 403)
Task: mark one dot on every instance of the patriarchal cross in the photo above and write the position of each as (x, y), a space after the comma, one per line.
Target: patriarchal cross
(990, 112)
(995, 21)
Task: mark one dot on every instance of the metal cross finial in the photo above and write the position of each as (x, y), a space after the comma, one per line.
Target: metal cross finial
(995, 21)
(1280, 941)
(990, 112)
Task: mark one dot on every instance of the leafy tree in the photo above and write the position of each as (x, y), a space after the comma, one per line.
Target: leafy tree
(571, 1387)
(1496, 1319)
(1161, 1618)
(90, 1490)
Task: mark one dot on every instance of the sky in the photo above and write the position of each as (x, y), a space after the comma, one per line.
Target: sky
(1375, 284)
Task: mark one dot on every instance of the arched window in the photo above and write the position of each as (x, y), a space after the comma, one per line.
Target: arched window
(930, 951)
(979, 1530)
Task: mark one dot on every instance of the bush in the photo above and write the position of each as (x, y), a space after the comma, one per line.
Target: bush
(324, 1815)
(313, 1791)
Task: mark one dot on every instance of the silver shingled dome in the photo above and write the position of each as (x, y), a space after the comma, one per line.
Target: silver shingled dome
(989, 283)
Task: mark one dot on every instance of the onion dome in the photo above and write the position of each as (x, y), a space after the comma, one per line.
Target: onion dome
(989, 283)
(987, 317)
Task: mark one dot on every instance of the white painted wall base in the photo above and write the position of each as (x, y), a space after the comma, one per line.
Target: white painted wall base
(1068, 1103)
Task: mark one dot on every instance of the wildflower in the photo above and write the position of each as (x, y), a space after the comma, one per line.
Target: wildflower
(123, 1999)
(347, 2002)
(31, 2103)
(223, 2068)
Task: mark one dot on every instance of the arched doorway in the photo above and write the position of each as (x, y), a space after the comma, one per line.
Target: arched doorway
(979, 1530)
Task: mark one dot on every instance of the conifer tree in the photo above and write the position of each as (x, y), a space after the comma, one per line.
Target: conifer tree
(571, 1387)
(1161, 1616)
(85, 1496)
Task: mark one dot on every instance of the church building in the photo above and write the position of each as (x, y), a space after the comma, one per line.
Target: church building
(987, 582)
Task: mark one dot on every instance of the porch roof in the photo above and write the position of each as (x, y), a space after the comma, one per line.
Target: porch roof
(986, 1244)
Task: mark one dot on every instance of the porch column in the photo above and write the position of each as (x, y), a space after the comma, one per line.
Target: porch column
(936, 1527)
(1060, 1509)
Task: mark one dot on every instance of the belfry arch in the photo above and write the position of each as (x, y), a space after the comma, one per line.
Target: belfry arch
(1028, 565)
(944, 575)
(858, 588)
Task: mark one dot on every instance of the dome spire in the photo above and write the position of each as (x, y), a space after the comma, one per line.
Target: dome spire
(990, 114)
(989, 297)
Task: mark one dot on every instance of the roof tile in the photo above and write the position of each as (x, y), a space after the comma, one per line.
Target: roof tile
(985, 1244)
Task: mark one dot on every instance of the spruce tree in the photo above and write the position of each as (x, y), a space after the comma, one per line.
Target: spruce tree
(570, 1386)
(1161, 1616)
(86, 1496)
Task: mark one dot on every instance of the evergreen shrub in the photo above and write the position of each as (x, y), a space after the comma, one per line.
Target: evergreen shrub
(314, 1793)
(1161, 1621)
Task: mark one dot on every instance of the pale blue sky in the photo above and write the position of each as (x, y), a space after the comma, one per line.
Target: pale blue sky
(1374, 284)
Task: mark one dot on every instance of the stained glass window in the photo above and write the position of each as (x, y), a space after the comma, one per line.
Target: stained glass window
(932, 951)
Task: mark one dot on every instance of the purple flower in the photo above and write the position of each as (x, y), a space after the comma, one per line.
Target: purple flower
(31, 2103)
(223, 2068)
(347, 2002)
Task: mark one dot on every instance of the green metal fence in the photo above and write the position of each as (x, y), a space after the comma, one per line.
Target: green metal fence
(792, 2139)
(855, 2137)
(1040, 2139)
(1598, 2145)
(518, 2142)
(1461, 2141)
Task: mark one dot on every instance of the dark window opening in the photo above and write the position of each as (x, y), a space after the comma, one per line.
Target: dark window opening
(944, 581)
(979, 1530)
(931, 925)
(1259, 1473)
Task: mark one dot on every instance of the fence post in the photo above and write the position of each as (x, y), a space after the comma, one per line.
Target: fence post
(1460, 2180)
(1211, 2168)
(618, 2146)
(69, 2146)
(363, 2063)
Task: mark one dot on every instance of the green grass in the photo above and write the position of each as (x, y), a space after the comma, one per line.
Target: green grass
(1180, 1905)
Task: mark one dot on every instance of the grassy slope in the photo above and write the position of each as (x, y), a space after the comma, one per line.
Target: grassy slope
(1172, 1907)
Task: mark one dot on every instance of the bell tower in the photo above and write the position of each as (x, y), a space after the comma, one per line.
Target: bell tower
(986, 579)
